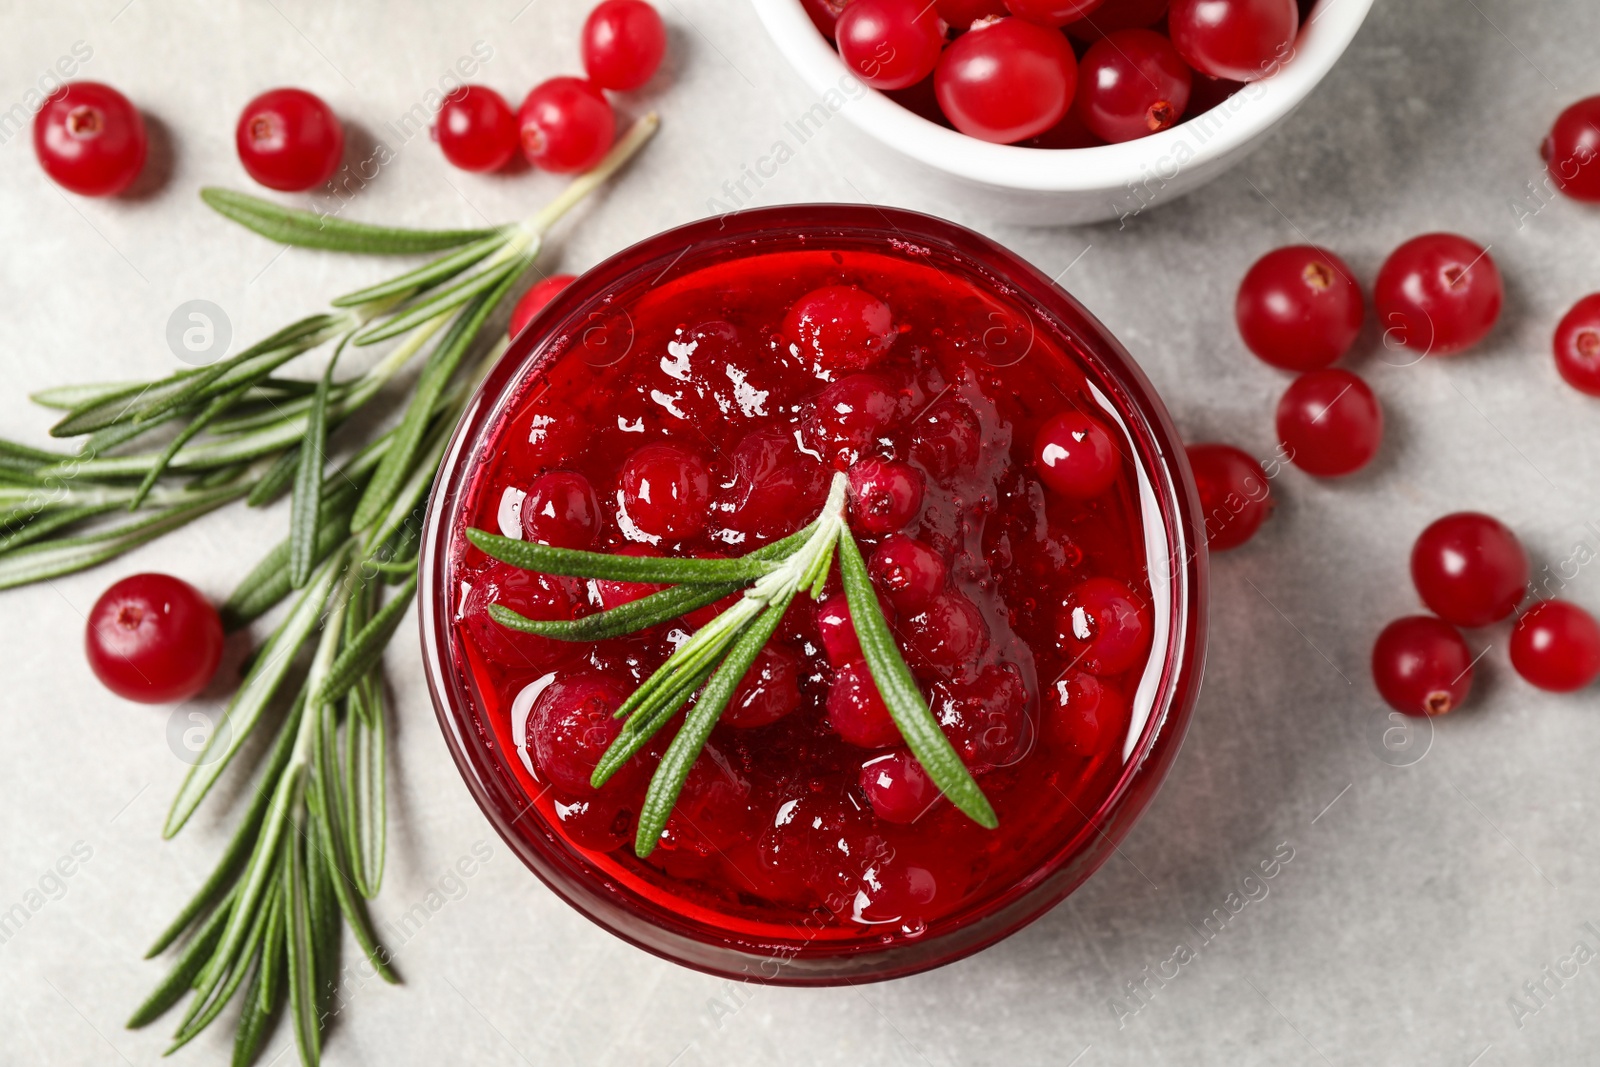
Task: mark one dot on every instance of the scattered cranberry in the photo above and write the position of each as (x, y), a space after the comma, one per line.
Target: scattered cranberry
(565, 125)
(946, 440)
(1131, 84)
(90, 139)
(614, 594)
(665, 491)
(623, 42)
(891, 44)
(1422, 666)
(1235, 498)
(776, 487)
(909, 572)
(1076, 456)
(1572, 150)
(897, 787)
(153, 638)
(770, 690)
(1330, 423)
(961, 14)
(476, 129)
(1438, 293)
(838, 631)
(1299, 308)
(289, 140)
(840, 328)
(1088, 714)
(856, 711)
(1052, 12)
(561, 510)
(884, 495)
(946, 637)
(1117, 15)
(986, 719)
(848, 417)
(572, 726)
(1006, 81)
(1104, 626)
(1578, 345)
(534, 300)
(1470, 569)
(1240, 40)
(533, 596)
(1556, 646)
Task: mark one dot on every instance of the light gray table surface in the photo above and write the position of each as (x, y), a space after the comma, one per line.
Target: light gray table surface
(1419, 898)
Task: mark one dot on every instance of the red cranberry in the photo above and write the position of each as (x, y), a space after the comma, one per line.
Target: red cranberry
(713, 810)
(1556, 646)
(986, 720)
(1422, 666)
(961, 14)
(1240, 40)
(1117, 15)
(1104, 627)
(909, 572)
(534, 300)
(894, 892)
(476, 130)
(614, 594)
(840, 328)
(776, 487)
(1572, 150)
(623, 43)
(565, 125)
(1330, 423)
(533, 596)
(949, 635)
(1089, 715)
(849, 417)
(153, 638)
(1578, 345)
(665, 491)
(1439, 294)
(1470, 569)
(1299, 308)
(1235, 498)
(820, 840)
(770, 690)
(825, 14)
(1131, 84)
(856, 710)
(595, 823)
(946, 440)
(1052, 12)
(838, 632)
(1076, 456)
(884, 495)
(1006, 81)
(90, 139)
(891, 44)
(289, 140)
(897, 787)
(561, 510)
(571, 727)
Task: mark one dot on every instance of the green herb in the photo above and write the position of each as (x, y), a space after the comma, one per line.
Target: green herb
(309, 849)
(715, 659)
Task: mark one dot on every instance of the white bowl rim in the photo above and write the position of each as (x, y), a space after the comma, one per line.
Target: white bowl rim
(1249, 112)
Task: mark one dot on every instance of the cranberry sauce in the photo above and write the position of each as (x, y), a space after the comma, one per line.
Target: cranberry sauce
(997, 505)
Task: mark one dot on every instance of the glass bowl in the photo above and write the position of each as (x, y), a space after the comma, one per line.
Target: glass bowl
(590, 320)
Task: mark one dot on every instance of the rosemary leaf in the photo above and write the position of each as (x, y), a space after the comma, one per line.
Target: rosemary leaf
(573, 563)
(67, 397)
(326, 838)
(900, 693)
(120, 406)
(302, 973)
(366, 816)
(181, 978)
(629, 618)
(268, 582)
(279, 476)
(667, 782)
(256, 1017)
(217, 406)
(494, 277)
(304, 506)
(48, 523)
(364, 652)
(209, 1000)
(306, 229)
(425, 276)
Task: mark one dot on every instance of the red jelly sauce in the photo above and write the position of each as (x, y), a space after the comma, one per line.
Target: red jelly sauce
(806, 808)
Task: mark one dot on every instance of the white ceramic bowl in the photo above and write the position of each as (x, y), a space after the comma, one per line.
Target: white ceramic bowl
(1049, 186)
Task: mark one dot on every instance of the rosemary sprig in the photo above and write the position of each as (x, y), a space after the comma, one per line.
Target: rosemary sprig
(309, 849)
(715, 659)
